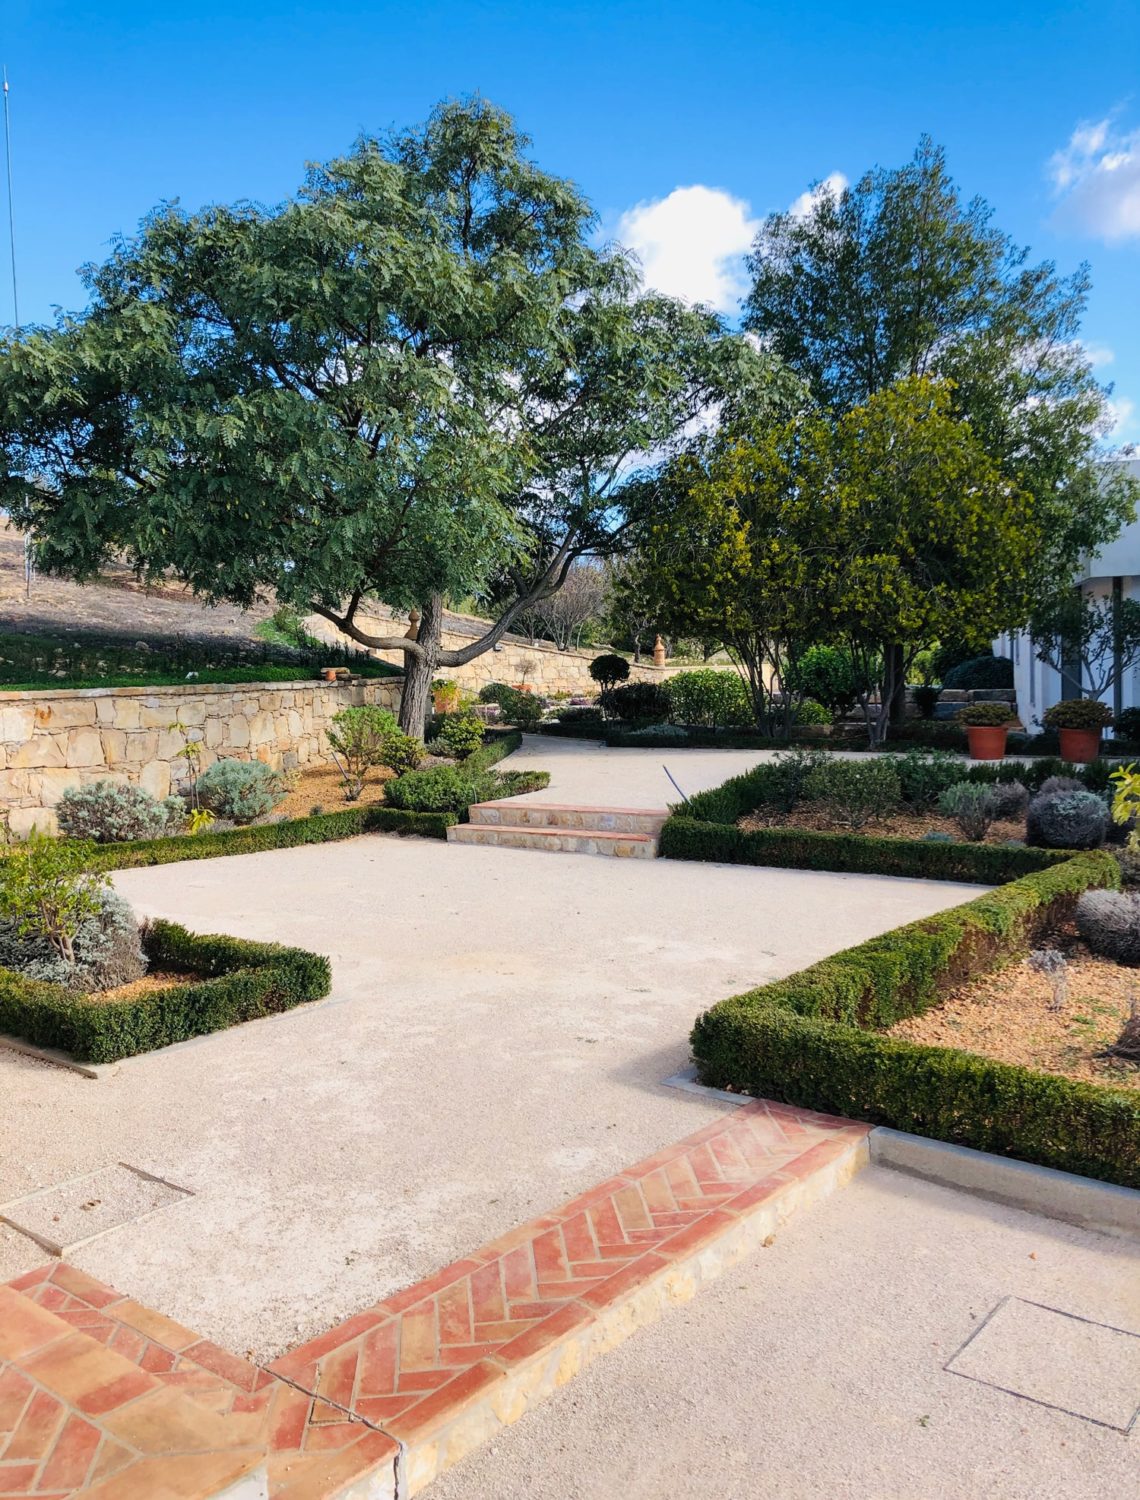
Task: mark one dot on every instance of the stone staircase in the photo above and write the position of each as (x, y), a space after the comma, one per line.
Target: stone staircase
(621, 832)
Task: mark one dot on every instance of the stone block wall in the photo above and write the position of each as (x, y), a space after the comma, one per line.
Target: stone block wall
(50, 741)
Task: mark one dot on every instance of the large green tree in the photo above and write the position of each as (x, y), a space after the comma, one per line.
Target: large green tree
(418, 380)
(898, 276)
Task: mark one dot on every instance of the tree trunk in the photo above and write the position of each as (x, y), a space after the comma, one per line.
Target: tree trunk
(420, 669)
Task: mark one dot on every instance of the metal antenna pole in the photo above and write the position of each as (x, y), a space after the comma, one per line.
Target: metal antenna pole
(11, 213)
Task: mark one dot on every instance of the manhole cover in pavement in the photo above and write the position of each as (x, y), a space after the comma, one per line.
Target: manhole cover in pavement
(1057, 1359)
(69, 1214)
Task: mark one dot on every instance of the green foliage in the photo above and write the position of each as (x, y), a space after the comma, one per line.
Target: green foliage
(105, 943)
(453, 789)
(925, 775)
(358, 739)
(985, 715)
(1077, 713)
(48, 890)
(240, 790)
(808, 711)
(1109, 922)
(852, 793)
(608, 670)
(109, 811)
(987, 671)
(684, 837)
(974, 808)
(461, 734)
(241, 981)
(641, 702)
(1067, 820)
(807, 1039)
(1127, 724)
(709, 698)
(827, 674)
(520, 709)
(926, 697)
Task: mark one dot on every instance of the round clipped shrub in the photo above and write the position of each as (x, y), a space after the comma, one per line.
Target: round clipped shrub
(985, 715)
(109, 811)
(827, 674)
(240, 790)
(1067, 820)
(1011, 799)
(1109, 922)
(709, 699)
(811, 712)
(107, 949)
(1053, 784)
(608, 670)
(980, 672)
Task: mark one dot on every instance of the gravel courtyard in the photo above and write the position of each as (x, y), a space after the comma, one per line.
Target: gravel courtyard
(496, 1039)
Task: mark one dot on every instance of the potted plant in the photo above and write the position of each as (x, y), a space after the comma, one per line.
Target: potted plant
(987, 725)
(445, 696)
(1079, 722)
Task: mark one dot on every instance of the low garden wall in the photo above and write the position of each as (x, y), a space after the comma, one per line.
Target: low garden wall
(54, 740)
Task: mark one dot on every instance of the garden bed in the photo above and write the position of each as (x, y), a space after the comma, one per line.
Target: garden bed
(899, 825)
(221, 981)
(822, 1038)
(1005, 1016)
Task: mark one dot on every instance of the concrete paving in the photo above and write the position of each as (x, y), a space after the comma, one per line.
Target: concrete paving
(816, 1369)
(499, 1028)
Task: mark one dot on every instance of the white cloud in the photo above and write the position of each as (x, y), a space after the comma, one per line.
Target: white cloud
(691, 244)
(1099, 354)
(1122, 410)
(833, 185)
(1097, 180)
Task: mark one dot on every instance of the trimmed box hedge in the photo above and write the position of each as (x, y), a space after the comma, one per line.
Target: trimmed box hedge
(241, 981)
(852, 853)
(812, 1039)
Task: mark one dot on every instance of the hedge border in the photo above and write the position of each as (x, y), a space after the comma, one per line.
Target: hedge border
(242, 980)
(852, 853)
(809, 1040)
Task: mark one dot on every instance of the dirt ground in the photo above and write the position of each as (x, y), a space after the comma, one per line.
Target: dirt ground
(1006, 1016)
(321, 786)
(898, 826)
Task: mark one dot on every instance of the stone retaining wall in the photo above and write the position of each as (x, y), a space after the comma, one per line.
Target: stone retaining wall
(50, 741)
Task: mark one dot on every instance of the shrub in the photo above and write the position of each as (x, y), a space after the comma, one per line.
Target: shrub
(1109, 922)
(810, 712)
(453, 789)
(48, 888)
(1127, 724)
(105, 944)
(1055, 784)
(357, 738)
(980, 672)
(581, 713)
(240, 790)
(827, 674)
(710, 699)
(521, 709)
(1067, 820)
(647, 702)
(608, 670)
(402, 752)
(1011, 798)
(924, 776)
(462, 734)
(851, 793)
(110, 811)
(972, 807)
(1077, 713)
(926, 697)
(985, 714)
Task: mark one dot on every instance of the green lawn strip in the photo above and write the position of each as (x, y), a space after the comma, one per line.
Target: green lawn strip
(240, 981)
(812, 1039)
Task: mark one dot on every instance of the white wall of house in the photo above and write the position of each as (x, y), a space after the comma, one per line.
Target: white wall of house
(1040, 686)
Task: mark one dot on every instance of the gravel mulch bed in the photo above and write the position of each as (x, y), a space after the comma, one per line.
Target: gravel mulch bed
(908, 825)
(1005, 1015)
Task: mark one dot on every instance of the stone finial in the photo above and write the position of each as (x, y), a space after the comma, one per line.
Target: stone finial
(658, 652)
(413, 631)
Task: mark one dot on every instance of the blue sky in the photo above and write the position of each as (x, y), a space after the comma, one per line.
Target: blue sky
(117, 106)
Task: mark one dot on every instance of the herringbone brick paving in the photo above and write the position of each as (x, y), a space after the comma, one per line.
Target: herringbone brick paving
(102, 1397)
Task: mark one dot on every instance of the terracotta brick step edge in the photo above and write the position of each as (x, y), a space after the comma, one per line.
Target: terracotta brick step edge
(444, 1365)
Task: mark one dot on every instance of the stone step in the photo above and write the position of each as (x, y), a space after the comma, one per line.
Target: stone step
(556, 840)
(567, 815)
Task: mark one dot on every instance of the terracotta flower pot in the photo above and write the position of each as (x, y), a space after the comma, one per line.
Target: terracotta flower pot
(986, 741)
(1079, 745)
(329, 673)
